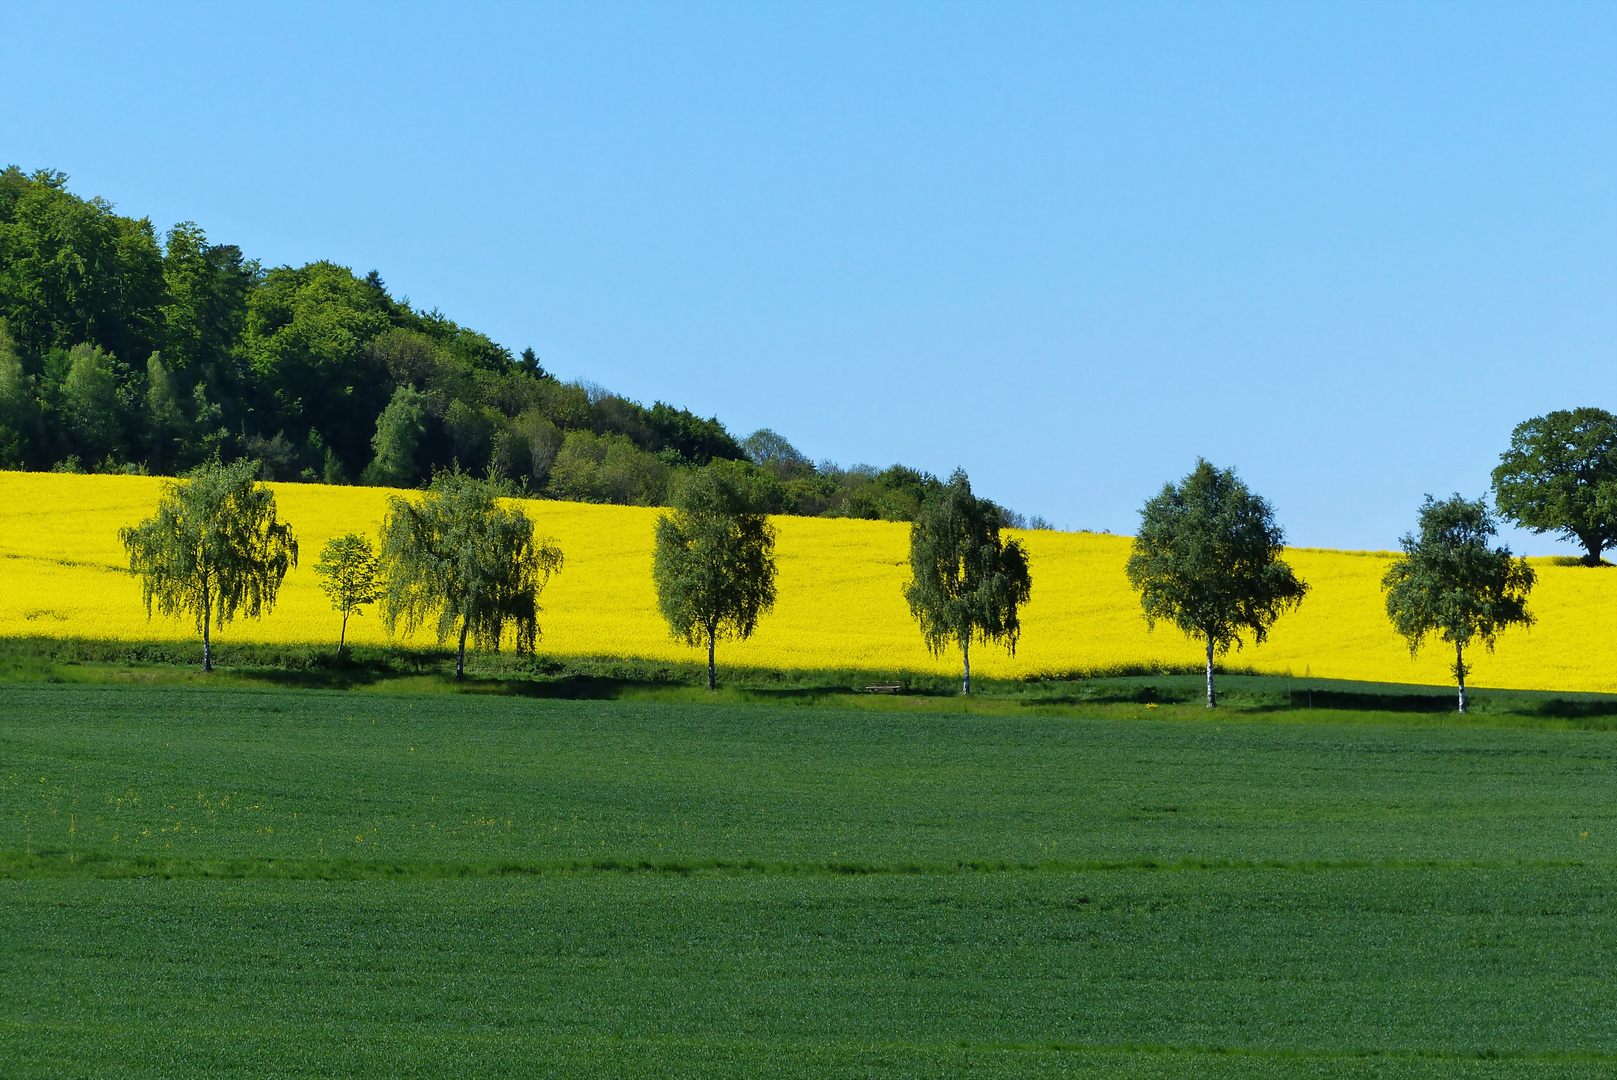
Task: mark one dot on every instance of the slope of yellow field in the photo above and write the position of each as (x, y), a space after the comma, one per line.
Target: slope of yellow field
(62, 574)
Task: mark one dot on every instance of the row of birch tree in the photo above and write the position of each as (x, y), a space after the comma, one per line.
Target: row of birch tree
(1208, 558)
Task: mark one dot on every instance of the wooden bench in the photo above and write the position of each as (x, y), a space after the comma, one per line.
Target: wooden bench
(884, 688)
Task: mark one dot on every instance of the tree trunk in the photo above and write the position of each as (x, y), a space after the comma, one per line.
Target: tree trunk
(342, 636)
(207, 643)
(1593, 546)
(460, 658)
(1212, 699)
(710, 635)
(965, 656)
(1459, 671)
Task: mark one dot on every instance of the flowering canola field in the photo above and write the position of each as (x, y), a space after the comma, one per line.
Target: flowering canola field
(64, 574)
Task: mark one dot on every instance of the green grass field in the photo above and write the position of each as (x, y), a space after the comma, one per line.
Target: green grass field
(258, 881)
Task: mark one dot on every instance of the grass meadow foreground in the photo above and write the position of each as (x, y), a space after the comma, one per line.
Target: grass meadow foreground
(251, 881)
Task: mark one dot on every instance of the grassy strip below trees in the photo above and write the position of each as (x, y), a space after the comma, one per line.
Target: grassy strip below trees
(1118, 694)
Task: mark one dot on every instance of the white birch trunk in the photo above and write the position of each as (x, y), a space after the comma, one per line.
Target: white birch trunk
(207, 616)
(1459, 671)
(1212, 700)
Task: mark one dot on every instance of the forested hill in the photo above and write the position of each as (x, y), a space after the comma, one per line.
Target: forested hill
(124, 352)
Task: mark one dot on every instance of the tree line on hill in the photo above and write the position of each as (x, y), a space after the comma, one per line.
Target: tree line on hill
(123, 352)
(1208, 557)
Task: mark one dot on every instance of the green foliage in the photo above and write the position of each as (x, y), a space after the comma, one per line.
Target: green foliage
(204, 312)
(608, 468)
(164, 418)
(321, 374)
(966, 583)
(89, 400)
(347, 569)
(1207, 558)
(756, 487)
(1450, 583)
(213, 549)
(527, 450)
(714, 563)
(828, 490)
(304, 343)
(694, 439)
(19, 408)
(1560, 475)
(455, 555)
(72, 271)
(772, 451)
(398, 437)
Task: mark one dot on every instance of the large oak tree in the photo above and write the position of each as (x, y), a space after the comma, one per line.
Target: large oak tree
(1560, 476)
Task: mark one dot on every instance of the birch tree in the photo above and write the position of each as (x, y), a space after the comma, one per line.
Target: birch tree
(213, 550)
(966, 583)
(456, 558)
(1449, 583)
(1208, 559)
(714, 564)
(347, 570)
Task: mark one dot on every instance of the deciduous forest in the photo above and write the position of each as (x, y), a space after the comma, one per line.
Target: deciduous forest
(122, 350)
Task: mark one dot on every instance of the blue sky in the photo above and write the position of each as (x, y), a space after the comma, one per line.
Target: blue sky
(1344, 248)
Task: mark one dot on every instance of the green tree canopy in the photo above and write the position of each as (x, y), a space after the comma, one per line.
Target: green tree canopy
(456, 556)
(966, 583)
(305, 337)
(714, 564)
(299, 366)
(1451, 583)
(1560, 476)
(213, 549)
(398, 437)
(19, 408)
(89, 400)
(73, 271)
(204, 307)
(347, 570)
(1208, 559)
(772, 451)
(165, 420)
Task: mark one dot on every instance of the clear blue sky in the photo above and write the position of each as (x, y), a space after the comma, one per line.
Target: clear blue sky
(1342, 247)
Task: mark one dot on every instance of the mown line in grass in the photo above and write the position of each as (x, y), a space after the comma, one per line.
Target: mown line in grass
(1165, 1050)
(57, 864)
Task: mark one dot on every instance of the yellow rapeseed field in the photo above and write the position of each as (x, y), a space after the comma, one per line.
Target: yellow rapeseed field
(63, 573)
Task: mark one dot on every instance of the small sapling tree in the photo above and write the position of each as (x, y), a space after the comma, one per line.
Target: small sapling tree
(347, 569)
(965, 582)
(1560, 475)
(1449, 582)
(455, 555)
(714, 564)
(1208, 560)
(213, 549)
